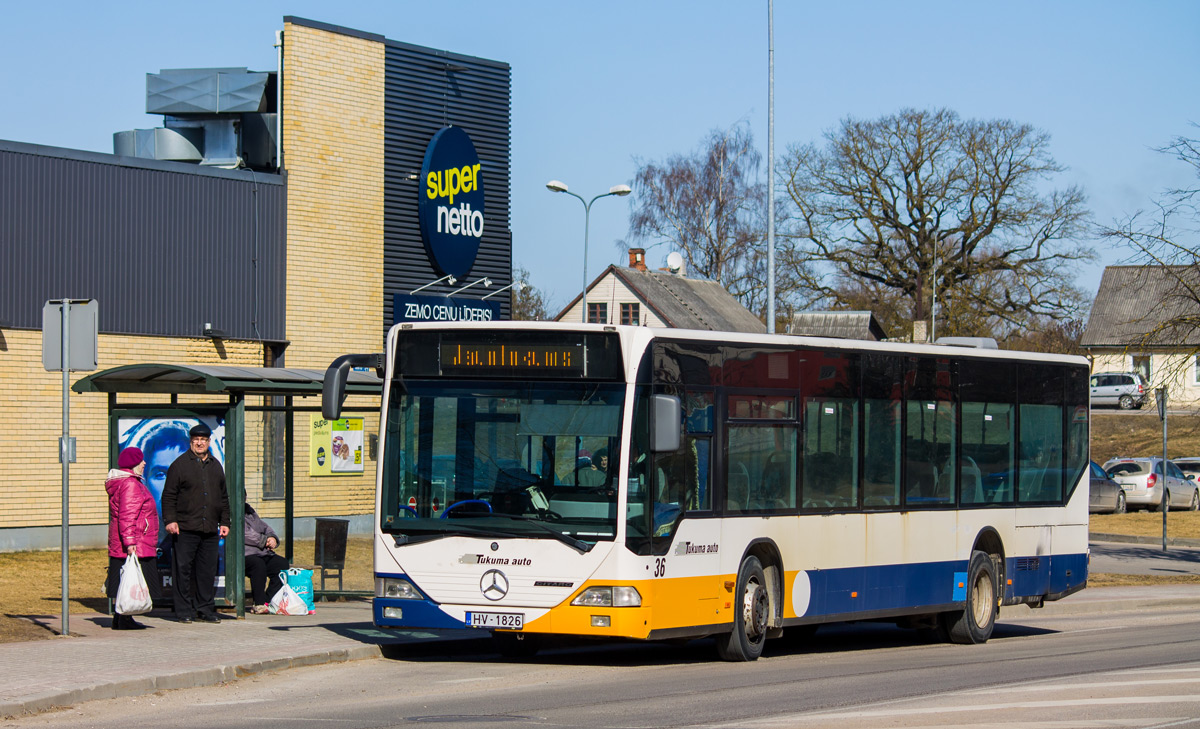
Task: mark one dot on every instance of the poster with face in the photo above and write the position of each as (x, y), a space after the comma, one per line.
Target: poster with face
(161, 441)
(347, 445)
(336, 446)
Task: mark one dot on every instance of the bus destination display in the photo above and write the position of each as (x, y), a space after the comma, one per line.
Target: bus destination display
(511, 359)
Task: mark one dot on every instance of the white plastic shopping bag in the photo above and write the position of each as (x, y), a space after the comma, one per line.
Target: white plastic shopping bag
(287, 602)
(133, 595)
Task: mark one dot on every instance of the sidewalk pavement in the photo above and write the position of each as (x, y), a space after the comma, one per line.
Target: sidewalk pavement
(99, 663)
(96, 662)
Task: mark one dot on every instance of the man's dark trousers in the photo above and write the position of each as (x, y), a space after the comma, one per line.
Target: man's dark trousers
(194, 587)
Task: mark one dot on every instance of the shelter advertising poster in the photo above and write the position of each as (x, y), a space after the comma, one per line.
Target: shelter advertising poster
(335, 446)
(161, 441)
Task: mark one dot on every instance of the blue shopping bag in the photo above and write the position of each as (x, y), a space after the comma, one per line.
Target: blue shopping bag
(301, 582)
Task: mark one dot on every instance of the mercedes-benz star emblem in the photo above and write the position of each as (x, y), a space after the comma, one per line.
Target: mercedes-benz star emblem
(493, 585)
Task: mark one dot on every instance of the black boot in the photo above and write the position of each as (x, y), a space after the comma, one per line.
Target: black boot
(128, 623)
(116, 621)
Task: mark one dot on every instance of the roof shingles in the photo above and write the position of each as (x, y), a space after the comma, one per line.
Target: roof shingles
(1150, 306)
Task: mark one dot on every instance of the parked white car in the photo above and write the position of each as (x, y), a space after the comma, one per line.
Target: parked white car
(1126, 390)
(1143, 480)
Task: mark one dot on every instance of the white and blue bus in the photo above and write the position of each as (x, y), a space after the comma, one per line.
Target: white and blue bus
(541, 479)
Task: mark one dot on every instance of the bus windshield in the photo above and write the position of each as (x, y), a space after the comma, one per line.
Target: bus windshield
(501, 459)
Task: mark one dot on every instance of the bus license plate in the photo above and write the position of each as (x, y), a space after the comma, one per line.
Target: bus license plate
(511, 621)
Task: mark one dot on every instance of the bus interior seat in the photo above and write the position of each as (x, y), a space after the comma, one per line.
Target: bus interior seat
(823, 481)
(946, 478)
(972, 482)
(922, 479)
(1029, 481)
(773, 491)
(737, 490)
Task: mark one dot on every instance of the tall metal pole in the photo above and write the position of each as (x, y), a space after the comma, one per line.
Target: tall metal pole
(1160, 395)
(64, 453)
(770, 166)
(587, 213)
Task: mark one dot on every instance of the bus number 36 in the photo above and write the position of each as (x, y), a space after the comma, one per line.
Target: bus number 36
(660, 567)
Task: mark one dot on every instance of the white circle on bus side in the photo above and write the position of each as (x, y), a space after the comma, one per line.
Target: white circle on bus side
(801, 593)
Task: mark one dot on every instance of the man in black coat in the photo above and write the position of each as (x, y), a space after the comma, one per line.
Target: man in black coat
(195, 507)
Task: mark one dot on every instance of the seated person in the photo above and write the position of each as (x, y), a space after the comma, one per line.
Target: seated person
(596, 474)
(262, 564)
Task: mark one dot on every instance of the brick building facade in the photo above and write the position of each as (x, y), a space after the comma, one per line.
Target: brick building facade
(341, 226)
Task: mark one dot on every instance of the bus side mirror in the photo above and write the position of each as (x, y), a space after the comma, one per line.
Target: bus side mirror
(666, 423)
(333, 389)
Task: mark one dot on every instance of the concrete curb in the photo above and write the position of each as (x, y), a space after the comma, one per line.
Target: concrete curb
(1127, 539)
(192, 678)
(1066, 607)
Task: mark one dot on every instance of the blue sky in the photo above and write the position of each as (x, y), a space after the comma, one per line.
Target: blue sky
(597, 86)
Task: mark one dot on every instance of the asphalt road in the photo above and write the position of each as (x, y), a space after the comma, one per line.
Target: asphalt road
(1111, 669)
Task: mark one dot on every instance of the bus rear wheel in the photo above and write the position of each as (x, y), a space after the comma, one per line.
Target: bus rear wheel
(976, 622)
(752, 615)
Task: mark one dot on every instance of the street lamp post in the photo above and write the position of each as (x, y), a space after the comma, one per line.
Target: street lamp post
(619, 191)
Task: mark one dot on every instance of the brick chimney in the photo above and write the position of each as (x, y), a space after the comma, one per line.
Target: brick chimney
(637, 258)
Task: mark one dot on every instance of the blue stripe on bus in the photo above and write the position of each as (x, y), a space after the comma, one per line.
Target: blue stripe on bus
(416, 614)
(907, 586)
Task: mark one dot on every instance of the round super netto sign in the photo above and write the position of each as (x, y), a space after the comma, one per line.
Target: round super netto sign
(450, 205)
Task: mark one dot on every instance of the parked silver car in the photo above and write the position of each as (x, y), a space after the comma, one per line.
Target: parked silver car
(1126, 390)
(1190, 467)
(1143, 480)
(1106, 495)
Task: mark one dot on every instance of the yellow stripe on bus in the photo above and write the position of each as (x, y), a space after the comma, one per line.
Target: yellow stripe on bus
(667, 603)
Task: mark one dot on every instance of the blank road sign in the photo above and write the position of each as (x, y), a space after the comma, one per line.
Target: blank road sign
(84, 320)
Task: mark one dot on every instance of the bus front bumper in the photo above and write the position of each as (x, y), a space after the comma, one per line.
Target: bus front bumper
(625, 622)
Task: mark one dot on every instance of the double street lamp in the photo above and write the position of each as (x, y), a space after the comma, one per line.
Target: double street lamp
(617, 190)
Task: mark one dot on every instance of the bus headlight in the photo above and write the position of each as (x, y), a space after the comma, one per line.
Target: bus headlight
(620, 596)
(396, 588)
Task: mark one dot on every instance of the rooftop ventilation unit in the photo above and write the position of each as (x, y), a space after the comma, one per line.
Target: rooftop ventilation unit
(220, 117)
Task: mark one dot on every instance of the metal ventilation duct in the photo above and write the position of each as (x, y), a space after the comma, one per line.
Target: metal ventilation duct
(180, 145)
(206, 91)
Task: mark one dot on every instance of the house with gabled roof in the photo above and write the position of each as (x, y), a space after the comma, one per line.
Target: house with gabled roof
(641, 297)
(1147, 319)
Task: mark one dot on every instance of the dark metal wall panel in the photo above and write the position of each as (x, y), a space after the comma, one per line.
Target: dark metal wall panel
(164, 247)
(425, 90)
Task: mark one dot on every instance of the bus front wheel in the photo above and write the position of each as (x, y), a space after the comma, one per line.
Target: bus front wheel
(752, 615)
(976, 622)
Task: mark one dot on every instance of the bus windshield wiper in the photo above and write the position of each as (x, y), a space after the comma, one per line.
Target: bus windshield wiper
(577, 544)
(457, 530)
(462, 530)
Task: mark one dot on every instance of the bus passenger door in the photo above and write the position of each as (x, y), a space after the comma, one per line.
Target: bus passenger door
(689, 587)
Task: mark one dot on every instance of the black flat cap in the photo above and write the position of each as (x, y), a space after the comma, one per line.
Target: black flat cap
(200, 431)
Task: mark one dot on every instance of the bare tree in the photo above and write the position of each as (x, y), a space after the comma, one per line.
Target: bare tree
(710, 206)
(1061, 336)
(528, 304)
(1166, 241)
(922, 199)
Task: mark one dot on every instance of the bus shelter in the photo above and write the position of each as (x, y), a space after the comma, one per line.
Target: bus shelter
(225, 393)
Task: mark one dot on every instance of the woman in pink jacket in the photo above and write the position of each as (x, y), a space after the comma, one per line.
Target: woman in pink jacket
(132, 528)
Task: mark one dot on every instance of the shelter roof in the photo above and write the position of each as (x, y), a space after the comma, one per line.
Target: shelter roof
(217, 379)
(838, 325)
